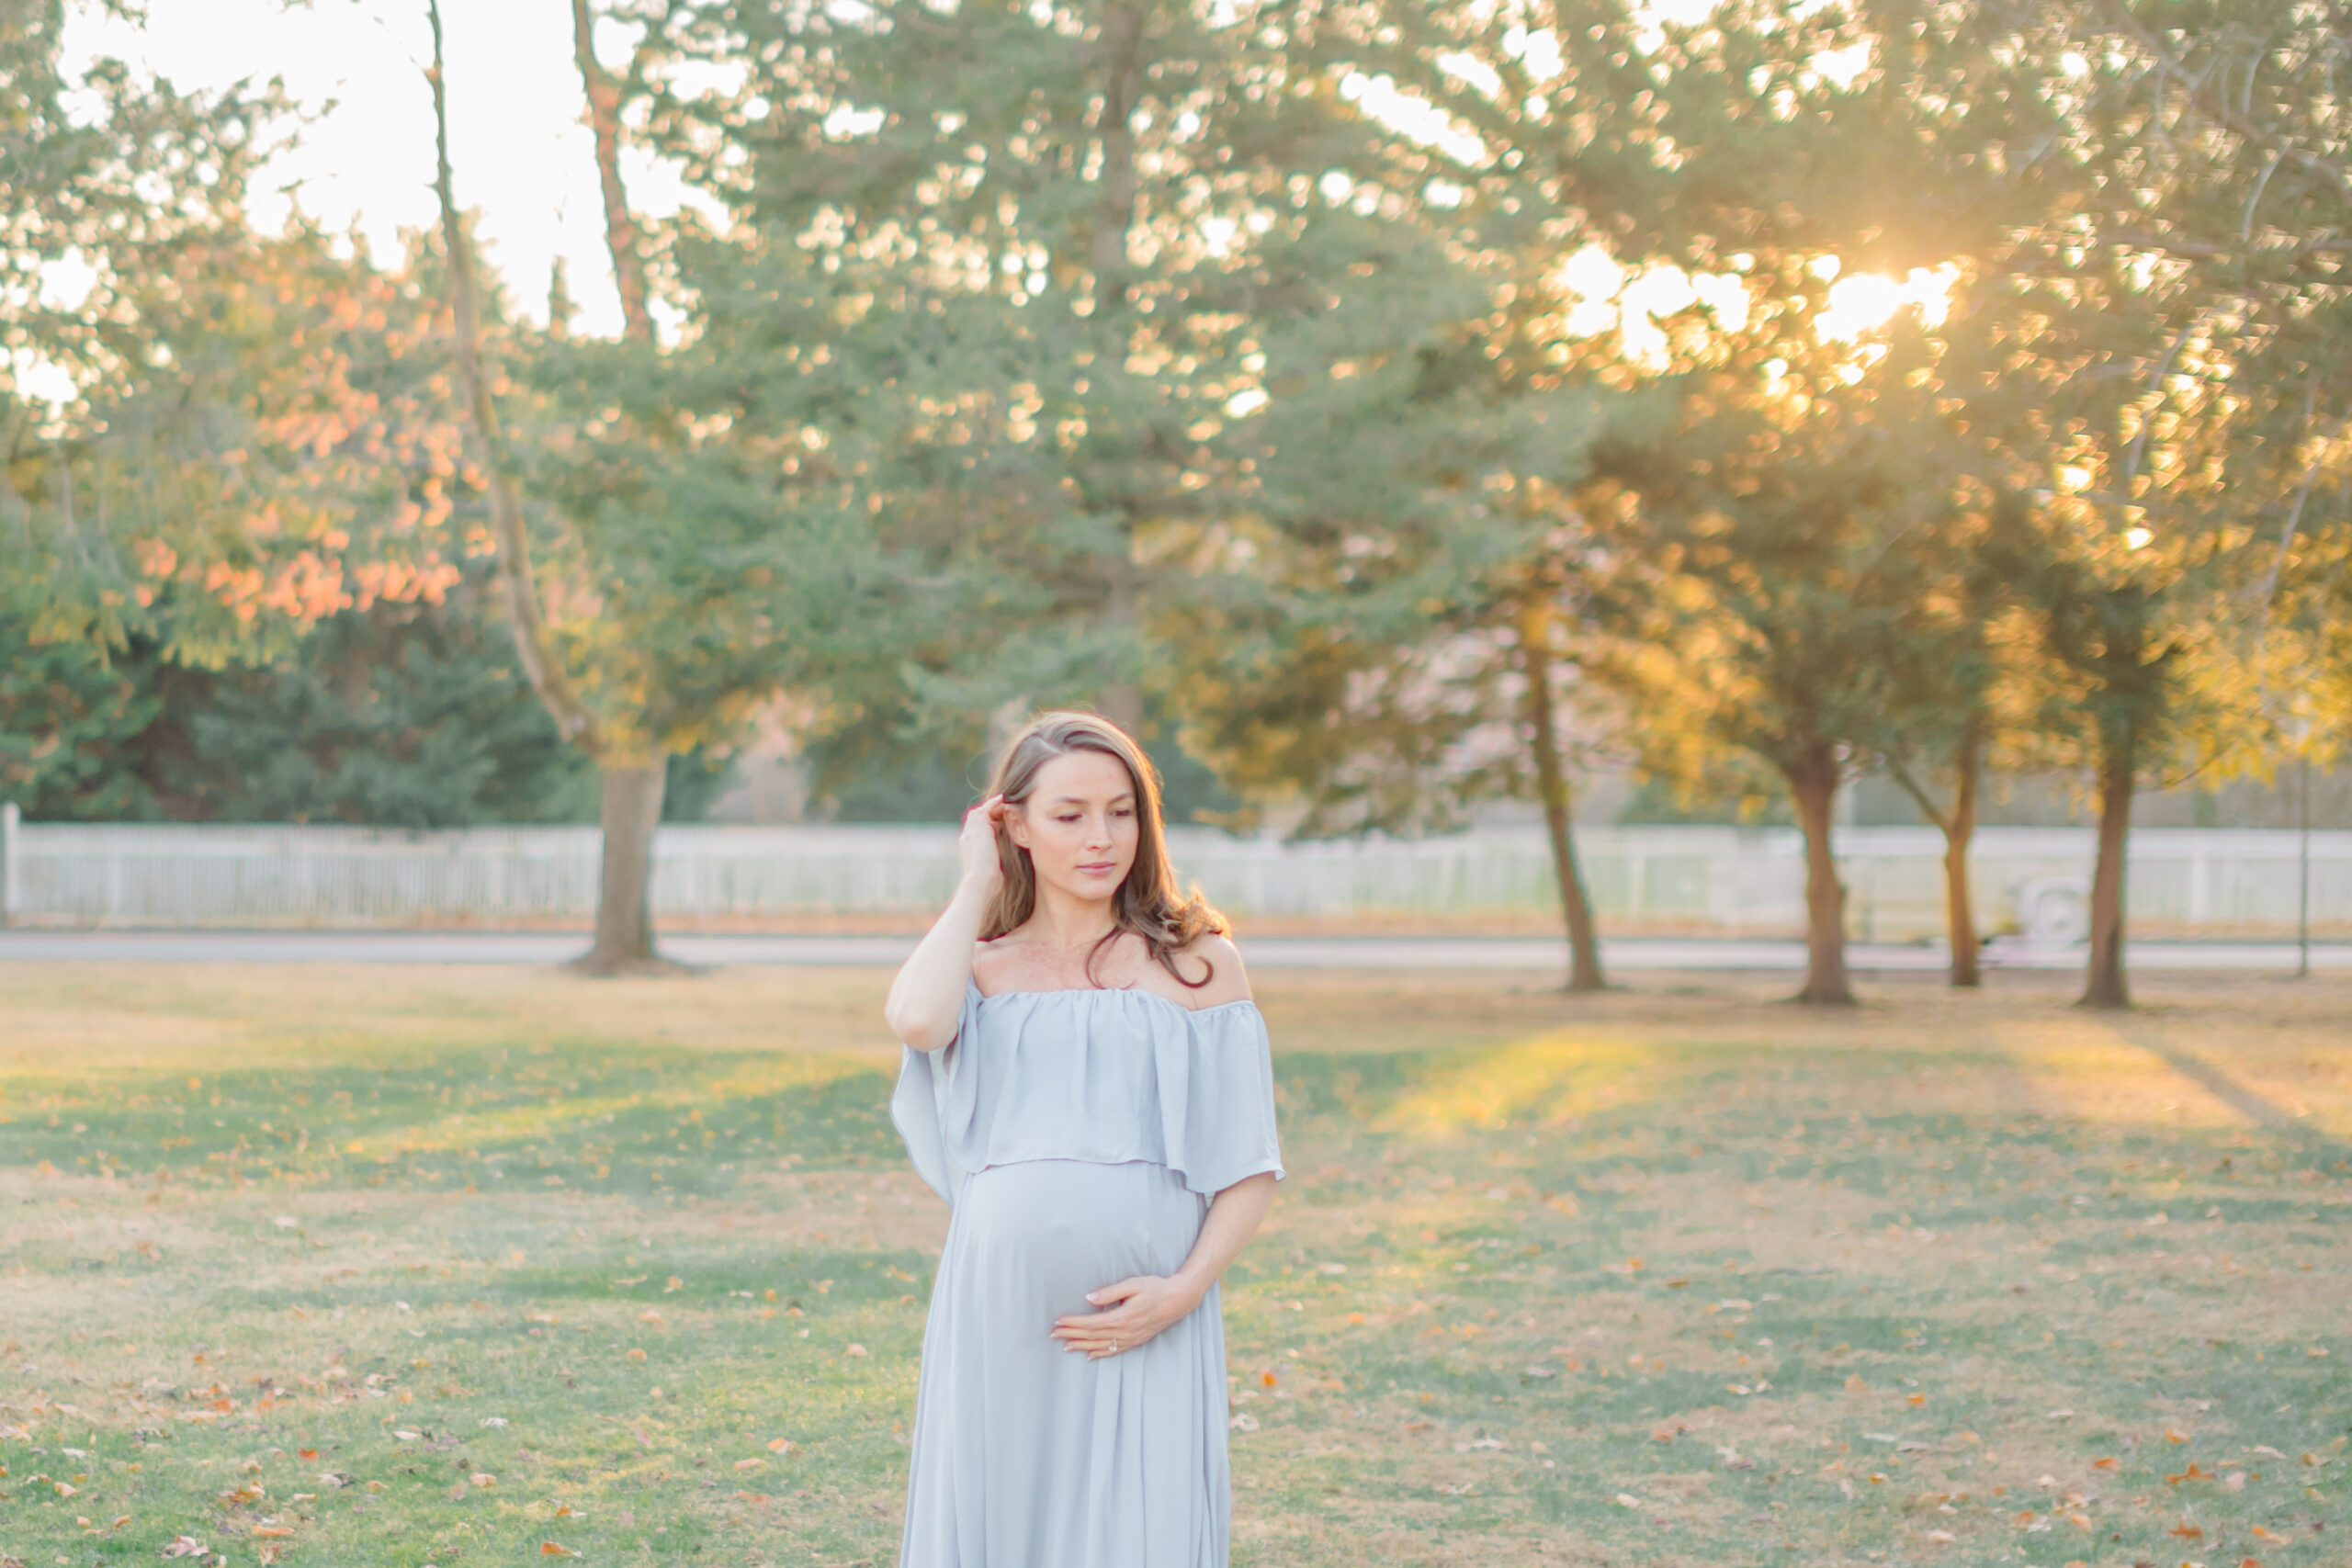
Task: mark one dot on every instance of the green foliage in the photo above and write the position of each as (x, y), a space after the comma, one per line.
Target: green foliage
(228, 436)
(395, 717)
(70, 720)
(399, 716)
(1051, 322)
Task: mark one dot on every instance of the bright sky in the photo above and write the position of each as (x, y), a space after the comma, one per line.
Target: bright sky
(522, 155)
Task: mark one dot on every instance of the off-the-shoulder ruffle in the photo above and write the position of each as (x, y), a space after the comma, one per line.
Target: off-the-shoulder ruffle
(1107, 1077)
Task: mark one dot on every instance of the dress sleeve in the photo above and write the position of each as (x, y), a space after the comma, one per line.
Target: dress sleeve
(1216, 1097)
(921, 1106)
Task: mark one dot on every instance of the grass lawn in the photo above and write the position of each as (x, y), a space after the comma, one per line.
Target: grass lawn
(469, 1267)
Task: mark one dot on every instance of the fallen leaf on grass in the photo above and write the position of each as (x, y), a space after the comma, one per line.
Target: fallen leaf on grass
(751, 1465)
(549, 1549)
(1627, 1500)
(1245, 1422)
(2188, 1531)
(183, 1546)
(2172, 1435)
(2262, 1534)
(2108, 1463)
(1942, 1537)
(1854, 1384)
(779, 1445)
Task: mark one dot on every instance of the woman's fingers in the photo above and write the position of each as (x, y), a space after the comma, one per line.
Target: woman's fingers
(1118, 1292)
(1125, 1321)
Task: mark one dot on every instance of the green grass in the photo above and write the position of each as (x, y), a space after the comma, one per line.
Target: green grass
(293, 1261)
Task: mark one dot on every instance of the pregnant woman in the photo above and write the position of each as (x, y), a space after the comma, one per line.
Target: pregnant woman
(1087, 1083)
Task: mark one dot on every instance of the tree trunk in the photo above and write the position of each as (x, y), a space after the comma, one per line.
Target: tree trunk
(630, 812)
(2119, 770)
(1552, 790)
(1814, 785)
(526, 616)
(1960, 914)
(1118, 699)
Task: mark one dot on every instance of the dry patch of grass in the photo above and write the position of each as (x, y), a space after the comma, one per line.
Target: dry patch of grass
(456, 1265)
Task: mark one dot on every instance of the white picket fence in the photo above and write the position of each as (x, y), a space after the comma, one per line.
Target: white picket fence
(1696, 880)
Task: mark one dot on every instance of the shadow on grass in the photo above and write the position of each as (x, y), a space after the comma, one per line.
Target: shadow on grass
(594, 1116)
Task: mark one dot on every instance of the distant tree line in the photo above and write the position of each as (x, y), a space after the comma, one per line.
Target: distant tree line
(1393, 403)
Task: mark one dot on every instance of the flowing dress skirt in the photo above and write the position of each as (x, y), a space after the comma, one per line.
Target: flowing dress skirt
(1027, 1455)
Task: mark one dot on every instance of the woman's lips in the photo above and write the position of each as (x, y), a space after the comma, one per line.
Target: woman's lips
(1100, 868)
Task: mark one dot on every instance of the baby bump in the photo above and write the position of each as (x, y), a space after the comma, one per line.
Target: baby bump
(1053, 1229)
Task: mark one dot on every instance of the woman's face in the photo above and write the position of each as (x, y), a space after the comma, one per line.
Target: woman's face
(1079, 825)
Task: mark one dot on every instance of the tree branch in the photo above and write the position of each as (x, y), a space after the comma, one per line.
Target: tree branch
(1911, 786)
(523, 611)
(2218, 105)
(621, 237)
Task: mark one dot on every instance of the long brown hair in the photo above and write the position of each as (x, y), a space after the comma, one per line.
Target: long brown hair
(1147, 902)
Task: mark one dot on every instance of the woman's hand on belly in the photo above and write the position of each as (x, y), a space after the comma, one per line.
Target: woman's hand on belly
(1133, 1312)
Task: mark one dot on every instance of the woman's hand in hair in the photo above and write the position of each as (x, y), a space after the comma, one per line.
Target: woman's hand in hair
(983, 871)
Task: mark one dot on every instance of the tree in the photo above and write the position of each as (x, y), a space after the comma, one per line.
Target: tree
(664, 576)
(1709, 187)
(1048, 232)
(1952, 665)
(1762, 581)
(2163, 393)
(233, 438)
(1376, 637)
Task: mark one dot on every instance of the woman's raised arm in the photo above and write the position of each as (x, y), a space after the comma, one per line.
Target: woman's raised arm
(927, 999)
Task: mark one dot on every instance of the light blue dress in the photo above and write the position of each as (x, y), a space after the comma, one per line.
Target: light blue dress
(1079, 1136)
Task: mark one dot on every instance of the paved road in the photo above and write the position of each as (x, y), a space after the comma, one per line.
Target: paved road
(1631, 953)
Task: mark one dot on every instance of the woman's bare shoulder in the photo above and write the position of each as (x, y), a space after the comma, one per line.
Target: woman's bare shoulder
(1228, 981)
(994, 959)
